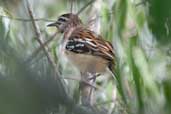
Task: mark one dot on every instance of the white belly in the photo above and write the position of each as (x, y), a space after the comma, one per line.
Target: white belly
(87, 63)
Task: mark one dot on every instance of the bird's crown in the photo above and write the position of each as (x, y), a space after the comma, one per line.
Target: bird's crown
(66, 21)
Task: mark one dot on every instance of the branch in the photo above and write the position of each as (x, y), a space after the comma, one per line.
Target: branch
(35, 53)
(72, 3)
(84, 81)
(26, 20)
(39, 39)
(84, 7)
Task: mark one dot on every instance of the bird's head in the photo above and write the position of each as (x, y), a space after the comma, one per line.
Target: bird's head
(66, 21)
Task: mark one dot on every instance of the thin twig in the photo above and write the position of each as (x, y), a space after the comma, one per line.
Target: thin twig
(39, 39)
(72, 2)
(27, 20)
(36, 52)
(92, 21)
(84, 7)
(38, 34)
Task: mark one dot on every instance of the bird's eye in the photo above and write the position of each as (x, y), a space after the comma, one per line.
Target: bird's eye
(63, 19)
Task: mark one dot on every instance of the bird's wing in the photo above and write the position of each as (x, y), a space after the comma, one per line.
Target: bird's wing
(84, 41)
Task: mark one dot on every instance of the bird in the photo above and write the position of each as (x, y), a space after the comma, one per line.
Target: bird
(85, 49)
(88, 51)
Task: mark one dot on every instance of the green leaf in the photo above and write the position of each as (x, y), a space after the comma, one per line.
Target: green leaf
(159, 20)
(121, 14)
(167, 93)
(135, 71)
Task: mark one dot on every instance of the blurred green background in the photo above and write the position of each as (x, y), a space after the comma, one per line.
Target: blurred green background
(140, 31)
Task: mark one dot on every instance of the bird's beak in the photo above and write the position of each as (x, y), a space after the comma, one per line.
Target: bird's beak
(52, 24)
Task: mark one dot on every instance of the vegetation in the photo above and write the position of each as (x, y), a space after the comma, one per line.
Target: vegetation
(36, 79)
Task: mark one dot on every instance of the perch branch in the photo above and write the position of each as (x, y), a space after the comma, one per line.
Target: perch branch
(84, 81)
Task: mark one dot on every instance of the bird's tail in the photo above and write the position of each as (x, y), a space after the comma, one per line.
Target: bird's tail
(111, 67)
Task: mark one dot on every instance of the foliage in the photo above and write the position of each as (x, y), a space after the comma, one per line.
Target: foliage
(140, 32)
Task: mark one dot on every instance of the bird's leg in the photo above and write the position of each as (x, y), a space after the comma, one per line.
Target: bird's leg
(87, 91)
(85, 88)
(91, 92)
(94, 76)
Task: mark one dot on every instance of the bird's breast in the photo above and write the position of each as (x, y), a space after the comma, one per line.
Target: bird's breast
(87, 63)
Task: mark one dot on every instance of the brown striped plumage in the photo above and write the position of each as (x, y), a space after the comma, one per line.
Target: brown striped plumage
(88, 51)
